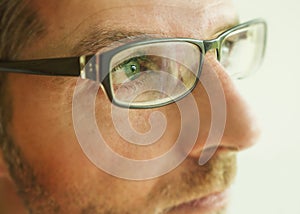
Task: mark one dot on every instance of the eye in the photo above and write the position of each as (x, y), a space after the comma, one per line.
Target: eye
(227, 46)
(233, 41)
(132, 68)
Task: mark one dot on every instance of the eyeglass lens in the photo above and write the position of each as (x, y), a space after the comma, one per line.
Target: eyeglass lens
(242, 50)
(153, 74)
(158, 73)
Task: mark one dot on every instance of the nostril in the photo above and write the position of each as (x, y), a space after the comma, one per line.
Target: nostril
(207, 153)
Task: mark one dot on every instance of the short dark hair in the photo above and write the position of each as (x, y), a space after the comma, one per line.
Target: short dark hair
(19, 25)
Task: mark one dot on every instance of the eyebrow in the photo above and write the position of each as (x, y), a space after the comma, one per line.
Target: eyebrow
(98, 39)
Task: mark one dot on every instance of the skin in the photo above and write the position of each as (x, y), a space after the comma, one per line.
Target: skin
(56, 176)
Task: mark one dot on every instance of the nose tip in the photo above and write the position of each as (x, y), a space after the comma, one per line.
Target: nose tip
(241, 129)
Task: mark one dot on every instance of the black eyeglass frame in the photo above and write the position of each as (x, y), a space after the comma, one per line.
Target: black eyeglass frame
(87, 66)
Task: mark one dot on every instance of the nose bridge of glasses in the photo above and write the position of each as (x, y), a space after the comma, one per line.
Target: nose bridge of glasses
(210, 45)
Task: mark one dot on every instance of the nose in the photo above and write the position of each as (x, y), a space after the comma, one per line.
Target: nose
(240, 130)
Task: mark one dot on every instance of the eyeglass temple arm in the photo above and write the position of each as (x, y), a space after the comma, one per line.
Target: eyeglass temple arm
(71, 66)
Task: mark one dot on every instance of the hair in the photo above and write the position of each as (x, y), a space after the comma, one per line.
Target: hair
(19, 25)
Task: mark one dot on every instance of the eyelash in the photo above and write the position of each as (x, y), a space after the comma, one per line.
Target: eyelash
(123, 63)
(129, 58)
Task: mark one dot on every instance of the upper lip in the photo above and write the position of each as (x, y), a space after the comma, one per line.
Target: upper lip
(215, 188)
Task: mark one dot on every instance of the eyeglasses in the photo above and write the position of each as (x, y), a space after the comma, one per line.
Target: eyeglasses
(156, 72)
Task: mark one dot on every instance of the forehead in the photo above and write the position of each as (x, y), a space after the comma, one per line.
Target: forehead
(68, 22)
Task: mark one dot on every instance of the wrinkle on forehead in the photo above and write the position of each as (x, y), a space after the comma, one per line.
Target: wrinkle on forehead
(166, 17)
(175, 22)
(200, 19)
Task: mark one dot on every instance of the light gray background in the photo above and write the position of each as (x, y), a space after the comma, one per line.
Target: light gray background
(268, 178)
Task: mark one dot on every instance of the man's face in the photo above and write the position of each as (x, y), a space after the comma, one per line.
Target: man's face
(55, 175)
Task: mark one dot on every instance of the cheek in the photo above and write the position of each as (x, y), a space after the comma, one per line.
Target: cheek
(42, 122)
(121, 127)
(42, 128)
